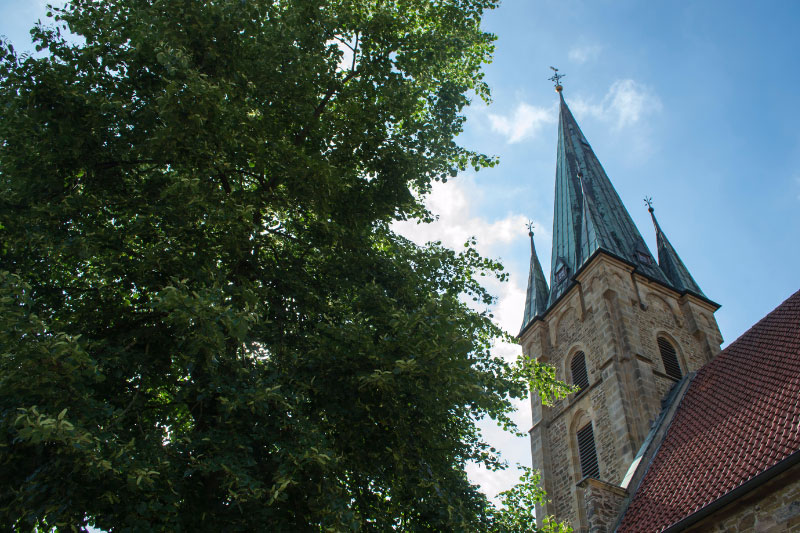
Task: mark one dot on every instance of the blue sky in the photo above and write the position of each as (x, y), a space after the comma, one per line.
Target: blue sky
(692, 103)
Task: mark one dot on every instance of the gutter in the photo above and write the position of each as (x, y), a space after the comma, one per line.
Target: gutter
(752, 483)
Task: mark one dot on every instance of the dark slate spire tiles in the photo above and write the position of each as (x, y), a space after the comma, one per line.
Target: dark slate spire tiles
(537, 296)
(588, 214)
(671, 263)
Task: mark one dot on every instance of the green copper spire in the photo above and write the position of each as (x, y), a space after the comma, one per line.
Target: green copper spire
(670, 262)
(588, 213)
(536, 299)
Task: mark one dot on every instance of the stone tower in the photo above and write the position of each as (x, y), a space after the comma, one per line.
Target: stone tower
(614, 322)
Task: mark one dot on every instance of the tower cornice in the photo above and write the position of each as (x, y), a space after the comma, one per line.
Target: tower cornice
(554, 307)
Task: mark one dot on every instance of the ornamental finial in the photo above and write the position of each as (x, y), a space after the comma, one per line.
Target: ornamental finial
(648, 201)
(530, 227)
(556, 79)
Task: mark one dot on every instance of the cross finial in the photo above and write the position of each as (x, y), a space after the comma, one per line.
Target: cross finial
(530, 227)
(556, 79)
(648, 201)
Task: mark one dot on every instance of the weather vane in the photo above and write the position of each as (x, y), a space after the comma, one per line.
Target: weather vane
(530, 227)
(556, 78)
(648, 201)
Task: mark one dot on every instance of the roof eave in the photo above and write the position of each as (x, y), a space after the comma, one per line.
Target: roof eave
(738, 492)
(700, 296)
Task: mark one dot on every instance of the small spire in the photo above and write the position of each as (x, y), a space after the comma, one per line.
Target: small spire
(537, 294)
(556, 79)
(668, 259)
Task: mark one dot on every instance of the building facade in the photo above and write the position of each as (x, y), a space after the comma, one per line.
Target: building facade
(621, 326)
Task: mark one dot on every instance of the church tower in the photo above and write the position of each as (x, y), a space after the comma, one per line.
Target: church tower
(619, 325)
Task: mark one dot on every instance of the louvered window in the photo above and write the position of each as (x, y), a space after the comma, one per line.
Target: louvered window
(580, 377)
(587, 452)
(670, 358)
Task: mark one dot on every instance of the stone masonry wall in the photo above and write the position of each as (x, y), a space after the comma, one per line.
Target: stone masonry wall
(603, 503)
(561, 478)
(615, 319)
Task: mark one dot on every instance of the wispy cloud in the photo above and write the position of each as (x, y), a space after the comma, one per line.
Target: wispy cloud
(625, 104)
(581, 107)
(455, 205)
(583, 54)
(629, 101)
(457, 221)
(523, 123)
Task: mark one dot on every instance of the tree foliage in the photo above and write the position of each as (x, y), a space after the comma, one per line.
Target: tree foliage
(206, 321)
(517, 513)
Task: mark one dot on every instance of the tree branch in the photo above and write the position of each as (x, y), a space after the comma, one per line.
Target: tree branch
(303, 133)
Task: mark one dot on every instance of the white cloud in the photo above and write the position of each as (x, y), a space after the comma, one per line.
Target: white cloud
(587, 108)
(454, 203)
(515, 450)
(457, 221)
(629, 101)
(625, 104)
(582, 54)
(523, 123)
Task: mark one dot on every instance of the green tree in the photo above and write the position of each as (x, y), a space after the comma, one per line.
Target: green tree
(517, 513)
(206, 322)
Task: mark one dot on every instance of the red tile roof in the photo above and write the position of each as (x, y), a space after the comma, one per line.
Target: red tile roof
(740, 416)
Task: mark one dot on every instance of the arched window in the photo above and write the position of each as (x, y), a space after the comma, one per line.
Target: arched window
(670, 358)
(580, 377)
(587, 452)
